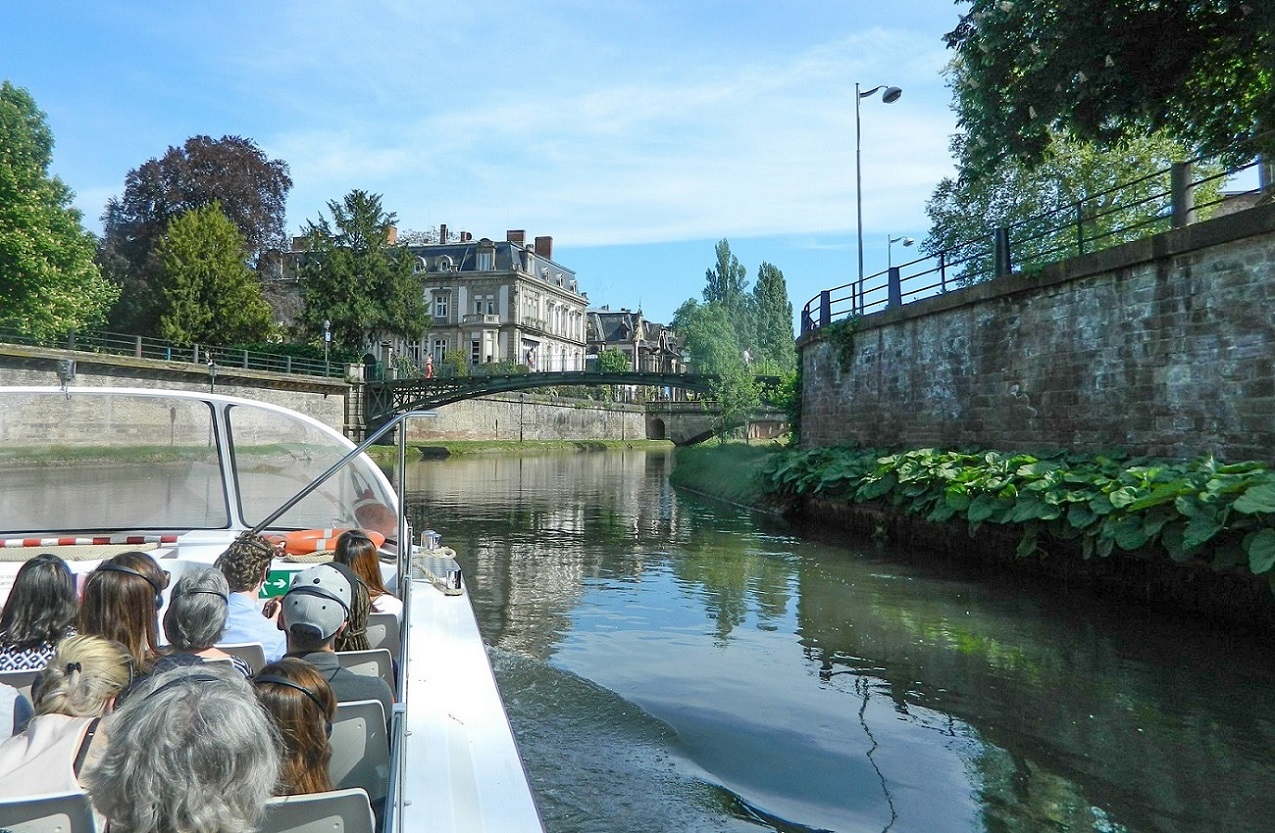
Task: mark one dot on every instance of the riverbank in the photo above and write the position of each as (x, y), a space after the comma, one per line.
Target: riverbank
(446, 448)
(731, 472)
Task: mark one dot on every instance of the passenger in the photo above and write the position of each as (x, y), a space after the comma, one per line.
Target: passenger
(302, 706)
(122, 598)
(78, 687)
(191, 751)
(246, 564)
(359, 552)
(194, 621)
(39, 614)
(354, 637)
(314, 611)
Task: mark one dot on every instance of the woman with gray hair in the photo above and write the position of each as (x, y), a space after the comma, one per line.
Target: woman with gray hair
(190, 751)
(195, 619)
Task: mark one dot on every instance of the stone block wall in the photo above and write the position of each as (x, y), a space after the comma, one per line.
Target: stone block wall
(1163, 347)
(535, 417)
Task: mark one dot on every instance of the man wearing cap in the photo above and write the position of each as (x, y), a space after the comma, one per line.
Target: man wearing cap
(316, 609)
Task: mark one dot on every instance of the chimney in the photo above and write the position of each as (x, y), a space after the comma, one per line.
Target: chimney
(442, 233)
(516, 235)
(391, 236)
(465, 237)
(544, 247)
(298, 244)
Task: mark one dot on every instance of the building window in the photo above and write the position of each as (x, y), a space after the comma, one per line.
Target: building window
(440, 350)
(440, 306)
(475, 351)
(491, 304)
(486, 260)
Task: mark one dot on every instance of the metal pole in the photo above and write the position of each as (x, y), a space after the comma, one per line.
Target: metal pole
(856, 305)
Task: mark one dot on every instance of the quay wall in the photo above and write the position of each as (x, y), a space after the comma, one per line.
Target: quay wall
(535, 417)
(322, 399)
(1164, 347)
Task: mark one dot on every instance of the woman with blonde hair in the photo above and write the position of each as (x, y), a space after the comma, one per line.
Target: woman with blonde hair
(301, 704)
(121, 601)
(356, 550)
(77, 688)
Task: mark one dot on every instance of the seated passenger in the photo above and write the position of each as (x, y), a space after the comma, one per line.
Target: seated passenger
(194, 621)
(39, 613)
(191, 751)
(315, 609)
(359, 552)
(121, 602)
(246, 564)
(302, 705)
(77, 687)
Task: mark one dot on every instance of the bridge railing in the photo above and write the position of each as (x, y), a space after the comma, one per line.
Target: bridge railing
(1130, 211)
(145, 347)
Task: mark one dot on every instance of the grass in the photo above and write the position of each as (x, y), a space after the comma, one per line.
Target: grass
(731, 472)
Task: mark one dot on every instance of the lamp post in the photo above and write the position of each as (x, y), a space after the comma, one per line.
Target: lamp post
(327, 343)
(889, 96)
(890, 241)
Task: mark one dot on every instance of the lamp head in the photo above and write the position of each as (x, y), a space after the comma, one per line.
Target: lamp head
(891, 95)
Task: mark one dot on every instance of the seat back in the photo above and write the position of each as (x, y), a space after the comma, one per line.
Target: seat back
(21, 680)
(383, 632)
(68, 812)
(360, 748)
(253, 653)
(373, 663)
(339, 811)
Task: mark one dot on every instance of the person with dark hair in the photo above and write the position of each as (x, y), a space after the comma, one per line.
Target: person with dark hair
(302, 706)
(121, 602)
(246, 564)
(190, 751)
(315, 609)
(354, 636)
(194, 621)
(77, 688)
(357, 550)
(40, 612)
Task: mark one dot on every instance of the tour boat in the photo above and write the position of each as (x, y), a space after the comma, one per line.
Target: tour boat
(90, 472)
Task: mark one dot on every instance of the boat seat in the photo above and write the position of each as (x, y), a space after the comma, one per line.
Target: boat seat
(339, 811)
(21, 680)
(68, 812)
(253, 653)
(360, 748)
(374, 663)
(383, 632)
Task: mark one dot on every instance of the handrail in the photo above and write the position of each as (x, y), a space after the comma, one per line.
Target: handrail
(1092, 222)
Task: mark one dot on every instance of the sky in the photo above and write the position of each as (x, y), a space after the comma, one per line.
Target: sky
(636, 133)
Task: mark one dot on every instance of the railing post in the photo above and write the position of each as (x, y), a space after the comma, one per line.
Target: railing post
(1265, 173)
(1004, 265)
(70, 339)
(1080, 227)
(894, 293)
(825, 308)
(137, 347)
(245, 360)
(943, 271)
(1181, 194)
(194, 358)
(288, 365)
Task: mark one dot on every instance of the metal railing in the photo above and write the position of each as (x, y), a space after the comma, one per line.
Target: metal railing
(1130, 211)
(145, 347)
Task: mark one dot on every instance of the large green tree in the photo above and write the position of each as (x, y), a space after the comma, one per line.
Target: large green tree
(1063, 204)
(48, 281)
(710, 336)
(209, 295)
(726, 284)
(1104, 71)
(775, 349)
(353, 278)
(251, 188)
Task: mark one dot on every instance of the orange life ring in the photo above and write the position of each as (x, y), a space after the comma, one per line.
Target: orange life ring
(310, 541)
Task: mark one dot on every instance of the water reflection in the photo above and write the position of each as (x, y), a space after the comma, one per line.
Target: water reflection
(672, 664)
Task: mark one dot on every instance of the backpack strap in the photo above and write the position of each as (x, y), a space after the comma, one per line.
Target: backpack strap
(84, 745)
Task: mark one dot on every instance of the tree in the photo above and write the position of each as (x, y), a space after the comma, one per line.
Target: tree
(1073, 179)
(737, 394)
(613, 361)
(251, 187)
(351, 277)
(209, 295)
(48, 281)
(726, 284)
(776, 350)
(1104, 71)
(710, 336)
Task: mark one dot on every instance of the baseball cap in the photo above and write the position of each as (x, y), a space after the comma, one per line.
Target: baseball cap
(317, 602)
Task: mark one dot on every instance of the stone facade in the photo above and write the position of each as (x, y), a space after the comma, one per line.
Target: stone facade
(1163, 347)
(530, 417)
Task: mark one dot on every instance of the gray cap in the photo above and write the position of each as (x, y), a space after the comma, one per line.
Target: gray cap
(317, 603)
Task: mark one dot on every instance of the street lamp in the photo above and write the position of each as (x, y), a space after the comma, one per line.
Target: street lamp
(327, 342)
(889, 256)
(889, 96)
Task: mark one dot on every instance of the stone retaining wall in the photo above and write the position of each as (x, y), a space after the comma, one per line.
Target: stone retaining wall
(535, 417)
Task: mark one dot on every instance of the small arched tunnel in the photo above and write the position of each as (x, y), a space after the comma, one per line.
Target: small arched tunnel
(657, 430)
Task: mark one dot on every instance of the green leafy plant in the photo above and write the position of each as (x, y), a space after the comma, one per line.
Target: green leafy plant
(1187, 510)
(840, 334)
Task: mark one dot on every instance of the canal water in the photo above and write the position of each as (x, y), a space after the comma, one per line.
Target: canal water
(670, 663)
